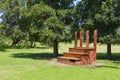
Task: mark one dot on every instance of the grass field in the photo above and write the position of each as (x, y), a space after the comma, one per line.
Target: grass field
(34, 64)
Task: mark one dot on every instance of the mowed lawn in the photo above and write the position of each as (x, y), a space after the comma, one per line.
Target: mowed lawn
(34, 64)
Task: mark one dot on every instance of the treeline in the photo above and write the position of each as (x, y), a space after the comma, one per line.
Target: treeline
(25, 22)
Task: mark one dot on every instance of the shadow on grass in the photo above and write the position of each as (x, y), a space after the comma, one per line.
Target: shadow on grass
(100, 56)
(109, 66)
(43, 47)
(115, 60)
(40, 56)
(2, 49)
(114, 65)
(103, 56)
(32, 47)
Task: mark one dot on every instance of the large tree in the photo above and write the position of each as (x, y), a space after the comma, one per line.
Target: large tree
(63, 17)
(102, 15)
(45, 21)
(10, 19)
(46, 25)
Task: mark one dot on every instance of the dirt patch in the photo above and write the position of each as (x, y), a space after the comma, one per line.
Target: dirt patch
(62, 64)
(59, 64)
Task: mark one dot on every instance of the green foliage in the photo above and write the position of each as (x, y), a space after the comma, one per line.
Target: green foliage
(37, 21)
(37, 16)
(108, 21)
(4, 41)
(24, 44)
(117, 36)
(101, 15)
(11, 16)
(33, 18)
(40, 13)
(66, 16)
(59, 4)
(47, 37)
(55, 25)
(44, 24)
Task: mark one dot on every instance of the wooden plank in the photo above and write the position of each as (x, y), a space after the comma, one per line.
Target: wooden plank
(95, 45)
(81, 39)
(76, 53)
(81, 50)
(76, 38)
(71, 58)
(87, 38)
(68, 61)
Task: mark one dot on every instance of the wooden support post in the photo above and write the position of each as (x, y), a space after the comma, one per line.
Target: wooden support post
(95, 44)
(76, 38)
(87, 38)
(81, 39)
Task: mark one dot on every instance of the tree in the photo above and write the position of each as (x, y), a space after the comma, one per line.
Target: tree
(62, 16)
(45, 21)
(64, 9)
(101, 15)
(11, 15)
(47, 24)
(110, 20)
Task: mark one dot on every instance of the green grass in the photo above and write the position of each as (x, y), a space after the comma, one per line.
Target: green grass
(34, 64)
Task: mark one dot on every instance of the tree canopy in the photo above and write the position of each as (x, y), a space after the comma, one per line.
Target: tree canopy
(102, 15)
(51, 21)
(42, 21)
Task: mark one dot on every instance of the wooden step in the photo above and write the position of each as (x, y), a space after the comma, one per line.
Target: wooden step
(77, 53)
(81, 50)
(69, 60)
(74, 54)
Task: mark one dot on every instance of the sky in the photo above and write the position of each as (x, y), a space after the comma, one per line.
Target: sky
(75, 2)
(1, 15)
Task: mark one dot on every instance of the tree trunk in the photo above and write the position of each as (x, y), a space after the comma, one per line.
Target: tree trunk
(13, 44)
(15, 41)
(109, 55)
(55, 48)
